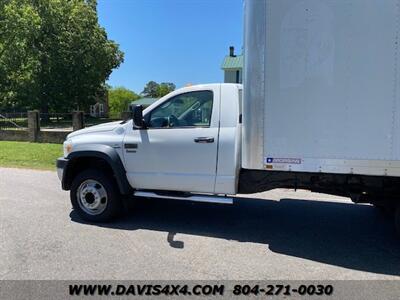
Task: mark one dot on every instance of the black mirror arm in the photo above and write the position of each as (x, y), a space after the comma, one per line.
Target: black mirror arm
(143, 126)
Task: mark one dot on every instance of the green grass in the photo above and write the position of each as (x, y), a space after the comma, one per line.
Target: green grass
(29, 155)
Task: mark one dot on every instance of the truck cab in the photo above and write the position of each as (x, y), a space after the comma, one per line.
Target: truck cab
(187, 142)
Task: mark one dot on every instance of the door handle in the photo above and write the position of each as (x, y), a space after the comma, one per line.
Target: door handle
(204, 140)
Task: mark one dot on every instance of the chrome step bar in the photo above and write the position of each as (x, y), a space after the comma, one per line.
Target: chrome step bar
(196, 198)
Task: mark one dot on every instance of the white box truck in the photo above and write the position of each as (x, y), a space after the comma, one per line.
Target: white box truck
(319, 110)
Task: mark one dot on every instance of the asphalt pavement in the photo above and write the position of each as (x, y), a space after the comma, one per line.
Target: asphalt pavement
(280, 234)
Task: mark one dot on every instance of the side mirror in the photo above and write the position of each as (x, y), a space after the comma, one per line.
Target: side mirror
(138, 121)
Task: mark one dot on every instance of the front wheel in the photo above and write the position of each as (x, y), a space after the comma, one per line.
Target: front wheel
(95, 197)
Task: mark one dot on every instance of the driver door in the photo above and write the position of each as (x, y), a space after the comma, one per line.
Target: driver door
(178, 150)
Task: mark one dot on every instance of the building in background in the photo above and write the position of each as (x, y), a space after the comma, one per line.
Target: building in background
(100, 108)
(232, 67)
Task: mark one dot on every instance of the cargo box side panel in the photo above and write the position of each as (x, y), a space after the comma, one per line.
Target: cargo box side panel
(254, 83)
(331, 86)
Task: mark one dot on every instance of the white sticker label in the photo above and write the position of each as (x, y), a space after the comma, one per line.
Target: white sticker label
(290, 161)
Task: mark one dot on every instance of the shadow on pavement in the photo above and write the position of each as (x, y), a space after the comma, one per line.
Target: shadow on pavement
(347, 235)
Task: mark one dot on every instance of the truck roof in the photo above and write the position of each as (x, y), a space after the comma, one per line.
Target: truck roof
(207, 85)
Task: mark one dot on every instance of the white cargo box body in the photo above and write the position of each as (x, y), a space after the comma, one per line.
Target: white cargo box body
(321, 86)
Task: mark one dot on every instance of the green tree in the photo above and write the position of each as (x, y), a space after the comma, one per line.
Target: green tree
(119, 99)
(151, 89)
(20, 26)
(165, 88)
(92, 4)
(53, 54)
(155, 90)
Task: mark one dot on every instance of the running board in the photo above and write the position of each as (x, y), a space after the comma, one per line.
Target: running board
(196, 198)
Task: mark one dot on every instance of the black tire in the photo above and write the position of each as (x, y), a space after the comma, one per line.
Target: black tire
(113, 206)
(397, 219)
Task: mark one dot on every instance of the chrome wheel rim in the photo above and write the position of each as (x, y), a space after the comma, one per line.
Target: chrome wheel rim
(92, 197)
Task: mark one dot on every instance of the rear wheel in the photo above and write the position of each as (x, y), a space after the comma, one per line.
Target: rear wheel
(95, 197)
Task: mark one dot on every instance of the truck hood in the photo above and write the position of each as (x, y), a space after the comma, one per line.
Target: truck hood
(97, 128)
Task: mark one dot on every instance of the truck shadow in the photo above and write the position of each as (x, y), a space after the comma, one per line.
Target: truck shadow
(352, 236)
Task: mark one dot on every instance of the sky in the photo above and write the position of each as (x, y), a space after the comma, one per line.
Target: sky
(179, 41)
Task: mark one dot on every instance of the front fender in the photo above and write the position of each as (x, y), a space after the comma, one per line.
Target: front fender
(108, 154)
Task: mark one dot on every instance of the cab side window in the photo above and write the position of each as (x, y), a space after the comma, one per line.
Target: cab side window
(193, 109)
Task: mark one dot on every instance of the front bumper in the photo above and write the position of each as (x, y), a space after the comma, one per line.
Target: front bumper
(61, 163)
